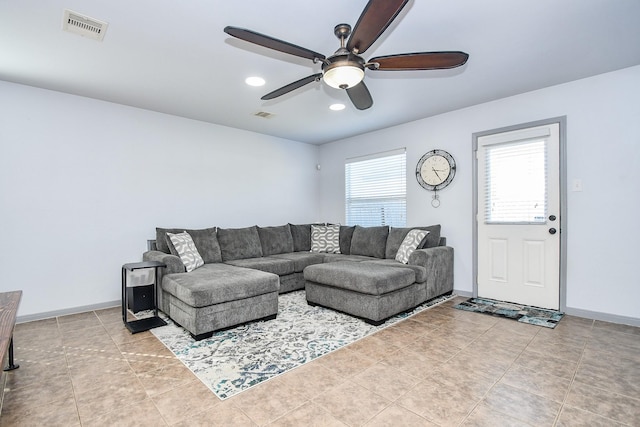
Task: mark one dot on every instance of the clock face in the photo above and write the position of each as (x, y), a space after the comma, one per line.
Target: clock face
(435, 170)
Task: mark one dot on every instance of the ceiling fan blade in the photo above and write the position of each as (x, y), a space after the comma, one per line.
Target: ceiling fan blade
(272, 43)
(292, 86)
(420, 61)
(375, 18)
(360, 96)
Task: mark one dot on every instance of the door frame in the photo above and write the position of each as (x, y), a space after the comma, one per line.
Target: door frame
(562, 121)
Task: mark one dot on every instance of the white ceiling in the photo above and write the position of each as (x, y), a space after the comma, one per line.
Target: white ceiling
(173, 57)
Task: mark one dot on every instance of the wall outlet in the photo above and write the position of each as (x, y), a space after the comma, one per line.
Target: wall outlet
(576, 185)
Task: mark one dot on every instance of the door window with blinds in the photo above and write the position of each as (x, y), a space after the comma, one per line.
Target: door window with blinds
(376, 189)
(516, 184)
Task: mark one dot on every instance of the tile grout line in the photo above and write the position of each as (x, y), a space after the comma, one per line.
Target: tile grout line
(66, 360)
(589, 338)
(573, 377)
(501, 377)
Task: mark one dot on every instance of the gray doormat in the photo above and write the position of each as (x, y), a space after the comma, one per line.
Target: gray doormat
(522, 313)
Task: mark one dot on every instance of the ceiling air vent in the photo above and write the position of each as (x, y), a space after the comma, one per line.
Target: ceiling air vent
(264, 114)
(83, 25)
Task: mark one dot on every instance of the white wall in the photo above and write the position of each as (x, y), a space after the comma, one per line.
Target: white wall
(84, 183)
(603, 149)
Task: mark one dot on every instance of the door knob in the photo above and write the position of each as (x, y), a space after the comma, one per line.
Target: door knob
(552, 231)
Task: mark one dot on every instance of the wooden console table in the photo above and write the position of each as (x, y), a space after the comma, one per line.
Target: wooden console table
(9, 302)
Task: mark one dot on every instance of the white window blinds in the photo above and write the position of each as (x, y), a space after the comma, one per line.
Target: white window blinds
(376, 190)
(516, 182)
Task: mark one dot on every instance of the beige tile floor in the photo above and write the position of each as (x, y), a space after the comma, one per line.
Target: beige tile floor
(443, 367)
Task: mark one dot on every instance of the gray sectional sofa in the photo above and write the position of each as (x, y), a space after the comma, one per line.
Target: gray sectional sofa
(246, 268)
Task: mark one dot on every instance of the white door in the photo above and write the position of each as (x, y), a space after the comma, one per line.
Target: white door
(519, 216)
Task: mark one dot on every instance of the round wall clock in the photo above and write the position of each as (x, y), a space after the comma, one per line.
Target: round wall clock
(435, 170)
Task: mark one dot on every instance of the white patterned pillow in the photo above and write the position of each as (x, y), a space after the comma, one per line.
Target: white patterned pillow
(409, 244)
(187, 251)
(325, 238)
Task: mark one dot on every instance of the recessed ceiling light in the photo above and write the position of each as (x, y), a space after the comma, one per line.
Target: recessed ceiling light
(254, 81)
(336, 107)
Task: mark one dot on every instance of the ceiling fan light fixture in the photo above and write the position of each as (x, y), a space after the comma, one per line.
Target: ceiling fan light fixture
(343, 77)
(343, 72)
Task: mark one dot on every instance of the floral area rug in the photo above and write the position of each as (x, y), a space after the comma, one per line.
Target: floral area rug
(235, 359)
(521, 313)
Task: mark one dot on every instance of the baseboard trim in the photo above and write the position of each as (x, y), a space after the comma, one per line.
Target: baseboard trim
(604, 317)
(463, 293)
(595, 315)
(67, 311)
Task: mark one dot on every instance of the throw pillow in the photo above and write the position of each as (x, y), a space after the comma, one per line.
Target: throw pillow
(410, 244)
(205, 240)
(325, 238)
(187, 251)
(397, 235)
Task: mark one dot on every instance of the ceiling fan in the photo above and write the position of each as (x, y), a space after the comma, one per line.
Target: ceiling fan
(345, 68)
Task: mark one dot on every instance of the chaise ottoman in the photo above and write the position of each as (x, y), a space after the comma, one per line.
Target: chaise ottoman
(217, 296)
(371, 291)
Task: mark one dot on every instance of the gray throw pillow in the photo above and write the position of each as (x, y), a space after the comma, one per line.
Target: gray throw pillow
(239, 243)
(187, 251)
(410, 244)
(275, 240)
(370, 241)
(325, 239)
(397, 235)
(205, 240)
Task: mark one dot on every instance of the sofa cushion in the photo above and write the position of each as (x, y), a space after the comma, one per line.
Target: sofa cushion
(277, 266)
(205, 240)
(420, 271)
(397, 235)
(186, 249)
(325, 238)
(370, 241)
(219, 283)
(343, 257)
(412, 240)
(346, 234)
(275, 240)
(302, 259)
(362, 277)
(239, 243)
(301, 234)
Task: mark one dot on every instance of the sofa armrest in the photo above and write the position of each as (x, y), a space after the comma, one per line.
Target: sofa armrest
(439, 264)
(173, 262)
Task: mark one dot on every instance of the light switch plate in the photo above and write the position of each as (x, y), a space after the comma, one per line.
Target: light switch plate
(576, 185)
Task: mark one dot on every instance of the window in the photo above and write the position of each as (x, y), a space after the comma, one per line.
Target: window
(516, 183)
(376, 189)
